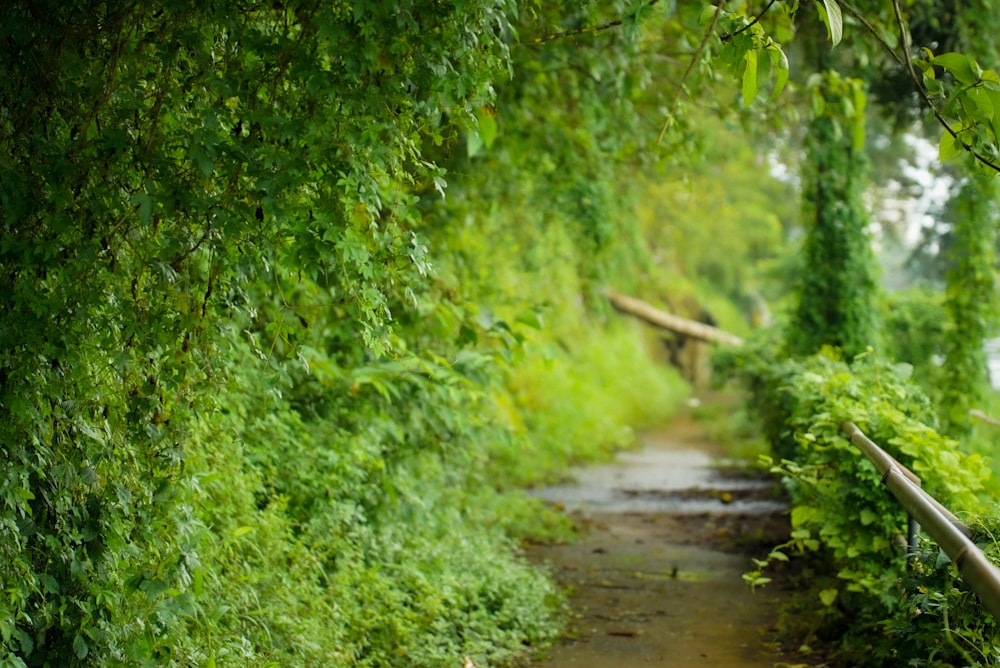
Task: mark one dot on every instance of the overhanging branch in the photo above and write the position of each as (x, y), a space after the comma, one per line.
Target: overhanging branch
(906, 62)
(585, 30)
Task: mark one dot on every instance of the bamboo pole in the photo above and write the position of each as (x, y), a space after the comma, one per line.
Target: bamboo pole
(980, 415)
(950, 534)
(675, 323)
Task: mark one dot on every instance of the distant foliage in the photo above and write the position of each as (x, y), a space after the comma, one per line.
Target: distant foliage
(971, 300)
(915, 323)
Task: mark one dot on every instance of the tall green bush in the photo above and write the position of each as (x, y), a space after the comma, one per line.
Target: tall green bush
(971, 300)
(837, 288)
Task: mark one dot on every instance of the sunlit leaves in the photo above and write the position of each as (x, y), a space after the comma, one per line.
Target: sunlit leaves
(833, 18)
(750, 86)
(753, 55)
(971, 104)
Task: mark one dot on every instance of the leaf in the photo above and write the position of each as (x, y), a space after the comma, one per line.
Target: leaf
(80, 647)
(202, 159)
(487, 117)
(959, 65)
(242, 531)
(750, 78)
(828, 596)
(858, 129)
(780, 62)
(88, 475)
(949, 147)
(473, 143)
(831, 15)
(803, 514)
(995, 97)
(532, 318)
(50, 583)
(198, 581)
(145, 204)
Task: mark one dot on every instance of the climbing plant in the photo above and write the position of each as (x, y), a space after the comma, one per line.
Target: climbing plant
(836, 303)
(971, 300)
(163, 168)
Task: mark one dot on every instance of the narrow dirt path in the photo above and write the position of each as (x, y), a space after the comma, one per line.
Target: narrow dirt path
(657, 579)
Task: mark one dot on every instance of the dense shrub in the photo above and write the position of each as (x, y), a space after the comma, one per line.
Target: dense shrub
(843, 519)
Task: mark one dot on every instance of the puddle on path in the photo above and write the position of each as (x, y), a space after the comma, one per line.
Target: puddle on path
(660, 478)
(657, 580)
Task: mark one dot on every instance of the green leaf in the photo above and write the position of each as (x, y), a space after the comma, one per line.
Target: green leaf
(803, 514)
(532, 318)
(145, 204)
(949, 147)
(80, 647)
(995, 97)
(828, 596)
(50, 583)
(833, 18)
(473, 143)
(750, 78)
(780, 62)
(487, 117)
(201, 158)
(959, 65)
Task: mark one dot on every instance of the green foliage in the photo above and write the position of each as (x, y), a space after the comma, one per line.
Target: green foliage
(946, 621)
(246, 422)
(584, 405)
(722, 224)
(170, 172)
(843, 517)
(327, 542)
(837, 295)
(970, 97)
(916, 323)
(970, 301)
(748, 49)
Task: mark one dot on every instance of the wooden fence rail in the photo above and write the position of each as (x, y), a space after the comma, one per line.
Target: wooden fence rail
(675, 323)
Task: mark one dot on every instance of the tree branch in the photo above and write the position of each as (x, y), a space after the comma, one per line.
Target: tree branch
(687, 72)
(756, 19)
(906, 62)
(586, 30)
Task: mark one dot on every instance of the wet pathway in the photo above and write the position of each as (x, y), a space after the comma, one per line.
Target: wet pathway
(657, 579)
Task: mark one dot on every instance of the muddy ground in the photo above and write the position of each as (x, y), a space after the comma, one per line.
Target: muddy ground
(668, 531)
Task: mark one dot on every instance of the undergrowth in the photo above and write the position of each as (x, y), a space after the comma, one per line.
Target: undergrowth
(878, 605)
(309, 540)
(582, 404)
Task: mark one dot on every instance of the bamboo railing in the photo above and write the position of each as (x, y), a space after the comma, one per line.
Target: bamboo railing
(942, 526)
(674, 323)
